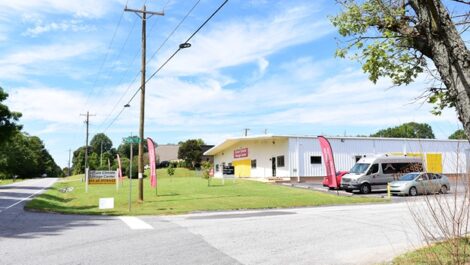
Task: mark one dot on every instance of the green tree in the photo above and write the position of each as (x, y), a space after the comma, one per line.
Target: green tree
(407, 130)
(398, 38)
(8, 119)
(98, 140)
(27, 157)
(459, 134)
(206, 167)
(78, 161)
(124, 149)
(191, 151)
(171, 171)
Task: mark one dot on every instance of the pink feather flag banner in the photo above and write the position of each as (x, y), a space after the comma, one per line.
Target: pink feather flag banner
(153, 172)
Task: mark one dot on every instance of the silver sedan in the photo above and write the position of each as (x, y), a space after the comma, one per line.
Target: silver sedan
(420, 183)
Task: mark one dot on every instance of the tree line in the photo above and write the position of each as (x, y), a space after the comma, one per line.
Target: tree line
(103, 156)
(415, 130)
(22, 155)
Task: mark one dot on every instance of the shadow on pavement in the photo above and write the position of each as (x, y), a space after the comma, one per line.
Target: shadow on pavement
(18, 223)
(9, 187)
(242, 215)
(28, 225)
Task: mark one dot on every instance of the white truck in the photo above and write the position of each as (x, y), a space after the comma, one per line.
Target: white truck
(375, 172)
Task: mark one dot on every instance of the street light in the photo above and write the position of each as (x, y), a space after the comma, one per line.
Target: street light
(185, 45)
(127, 106)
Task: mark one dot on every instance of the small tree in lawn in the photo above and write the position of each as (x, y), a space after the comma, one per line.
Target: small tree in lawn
(171, 171)
(206, 167)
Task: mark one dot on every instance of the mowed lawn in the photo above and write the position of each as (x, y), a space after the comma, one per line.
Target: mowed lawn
(183, 193)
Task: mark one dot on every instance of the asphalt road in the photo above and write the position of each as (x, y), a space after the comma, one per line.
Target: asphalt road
(357, 234)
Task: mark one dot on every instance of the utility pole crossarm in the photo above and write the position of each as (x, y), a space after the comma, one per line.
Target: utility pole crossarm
(137, 11)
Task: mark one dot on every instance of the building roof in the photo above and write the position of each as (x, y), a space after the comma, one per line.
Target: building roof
(167, 152)
(231, 141)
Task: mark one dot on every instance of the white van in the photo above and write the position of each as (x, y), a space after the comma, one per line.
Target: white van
(374, 172)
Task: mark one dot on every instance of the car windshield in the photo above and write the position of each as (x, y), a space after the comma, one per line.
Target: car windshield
(359, 168)
(409, 177)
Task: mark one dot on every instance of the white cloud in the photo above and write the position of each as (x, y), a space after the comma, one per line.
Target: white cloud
(47, 104)
(346, 99)
(34, 60)
(82, 8)
(246, 40)
(73, 25)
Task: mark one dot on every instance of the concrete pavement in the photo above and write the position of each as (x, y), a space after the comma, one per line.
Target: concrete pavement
(355, 234)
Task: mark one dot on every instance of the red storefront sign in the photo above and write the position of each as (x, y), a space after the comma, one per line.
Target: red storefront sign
(240, 153)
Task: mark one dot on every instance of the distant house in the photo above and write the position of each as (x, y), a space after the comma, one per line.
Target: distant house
(167, 152)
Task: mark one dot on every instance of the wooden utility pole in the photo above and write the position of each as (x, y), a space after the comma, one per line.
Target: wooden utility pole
(143, 15)
(87, 122)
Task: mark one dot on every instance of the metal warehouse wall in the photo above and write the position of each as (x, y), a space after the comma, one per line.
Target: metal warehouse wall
(345, 150)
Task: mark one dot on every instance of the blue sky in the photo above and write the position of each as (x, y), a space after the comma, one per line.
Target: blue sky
(258, 64)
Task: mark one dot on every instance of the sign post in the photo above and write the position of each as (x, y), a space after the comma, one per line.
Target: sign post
(86, 180)
(131, 140)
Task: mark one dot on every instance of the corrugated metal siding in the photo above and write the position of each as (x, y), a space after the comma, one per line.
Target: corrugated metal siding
(298, 150)
(345, 150)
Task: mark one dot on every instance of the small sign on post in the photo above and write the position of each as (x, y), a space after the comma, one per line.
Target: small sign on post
(106, 203)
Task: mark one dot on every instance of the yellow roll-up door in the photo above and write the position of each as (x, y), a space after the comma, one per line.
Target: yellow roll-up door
(434, 162)
(242, 168)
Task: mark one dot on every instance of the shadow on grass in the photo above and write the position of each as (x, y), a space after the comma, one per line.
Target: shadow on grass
(169, 194)
(200, 198)
(49, 197)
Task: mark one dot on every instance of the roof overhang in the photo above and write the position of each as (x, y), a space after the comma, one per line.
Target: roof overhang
(233, 141)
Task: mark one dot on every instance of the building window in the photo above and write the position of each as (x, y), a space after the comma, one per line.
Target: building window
(315, 160)
(217, 168)
(280, 161)
(253, 163)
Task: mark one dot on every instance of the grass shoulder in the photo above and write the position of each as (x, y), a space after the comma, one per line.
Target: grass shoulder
(185, 192)
(9, 181)
(450, 252)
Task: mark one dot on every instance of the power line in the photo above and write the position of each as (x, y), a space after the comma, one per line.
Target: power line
(177, 50)
(167, 60)
(151, 58)
(120, 54)
(105, 57)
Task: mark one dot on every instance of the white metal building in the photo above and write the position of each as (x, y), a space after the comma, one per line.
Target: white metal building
(300, 158)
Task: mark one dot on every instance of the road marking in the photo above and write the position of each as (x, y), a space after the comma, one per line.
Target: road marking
(135, 223)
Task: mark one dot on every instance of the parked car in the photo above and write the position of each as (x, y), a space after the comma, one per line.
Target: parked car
(420, 183)
(375, 172)
(339, 176)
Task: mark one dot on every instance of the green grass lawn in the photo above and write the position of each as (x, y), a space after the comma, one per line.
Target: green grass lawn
(436, 254)
(183, 193)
